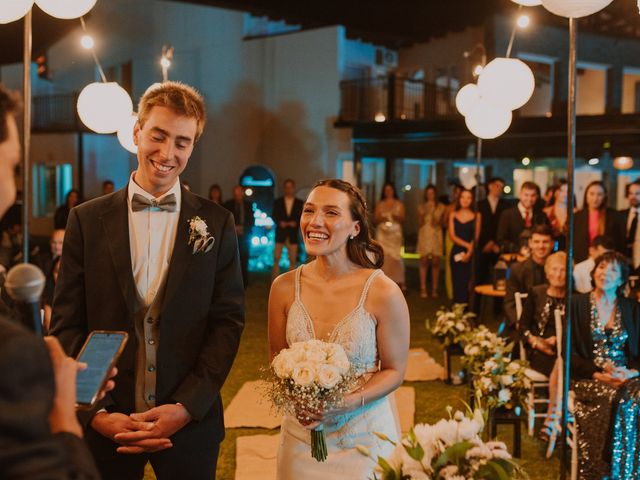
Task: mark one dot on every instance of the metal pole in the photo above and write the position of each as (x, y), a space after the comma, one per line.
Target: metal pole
(26, 139)
(571, 153)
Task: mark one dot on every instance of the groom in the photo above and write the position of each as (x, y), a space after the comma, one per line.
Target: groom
(162, 264)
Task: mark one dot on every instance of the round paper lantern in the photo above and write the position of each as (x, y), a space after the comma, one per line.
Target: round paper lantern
(466, 98)
(12, 10)
(103, 107)
(487, 120)
(508, 82)
(575, 8)
(528, 3)
(125, 133)
(66, 9)
(623, 163)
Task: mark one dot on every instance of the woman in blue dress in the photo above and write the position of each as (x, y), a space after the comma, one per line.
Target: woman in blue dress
(464, 229)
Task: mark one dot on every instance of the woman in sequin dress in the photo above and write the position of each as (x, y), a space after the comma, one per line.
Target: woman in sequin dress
(431, 220)
(389, 217)
(538, 327)
(604, 354)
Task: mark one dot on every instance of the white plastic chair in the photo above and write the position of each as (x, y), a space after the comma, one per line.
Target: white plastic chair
(539, 381)
(572, 426)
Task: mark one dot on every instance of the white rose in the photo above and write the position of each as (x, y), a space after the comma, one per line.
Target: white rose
(201, 227)
(315, 355)
(504, 395)
(283, 364)
(303, 374)
(506, 380)
(328, 376)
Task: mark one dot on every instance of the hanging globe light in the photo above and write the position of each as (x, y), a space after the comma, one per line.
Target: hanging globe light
(12, 10)
(528, 3)
(466, 98)
(66, 9)
(623, 163)
(487, 120)
(574, 8)
(508, 82)
(125, 133)
(103, 107)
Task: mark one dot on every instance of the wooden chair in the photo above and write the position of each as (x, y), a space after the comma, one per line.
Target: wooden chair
(539, 381)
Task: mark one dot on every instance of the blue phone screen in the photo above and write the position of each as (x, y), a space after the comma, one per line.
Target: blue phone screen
(97, 355)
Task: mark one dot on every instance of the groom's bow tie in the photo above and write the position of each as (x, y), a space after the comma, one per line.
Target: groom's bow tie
(167, 203)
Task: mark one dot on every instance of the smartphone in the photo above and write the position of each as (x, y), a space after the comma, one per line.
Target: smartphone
(458, 257)
(100, 352)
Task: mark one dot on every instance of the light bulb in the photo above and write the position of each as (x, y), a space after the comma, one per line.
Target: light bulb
(87, 42)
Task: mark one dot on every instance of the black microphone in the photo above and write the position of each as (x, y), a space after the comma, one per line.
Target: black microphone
(24, 284)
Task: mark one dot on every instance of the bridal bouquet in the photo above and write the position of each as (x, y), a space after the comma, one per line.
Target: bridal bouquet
(481, 344)
(502, 382)
(451, 324)
(310, 376)
(450, 450)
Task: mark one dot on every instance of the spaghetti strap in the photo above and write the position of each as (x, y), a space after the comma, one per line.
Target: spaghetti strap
(365, 290)
(297, 283)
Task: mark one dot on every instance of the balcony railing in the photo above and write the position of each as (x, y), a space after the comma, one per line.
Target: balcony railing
(394, 98)
(55, 113)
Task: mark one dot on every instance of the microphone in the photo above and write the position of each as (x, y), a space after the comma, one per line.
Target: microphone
(24, 284)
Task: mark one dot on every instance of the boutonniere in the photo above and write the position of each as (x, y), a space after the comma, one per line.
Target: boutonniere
(199, 235)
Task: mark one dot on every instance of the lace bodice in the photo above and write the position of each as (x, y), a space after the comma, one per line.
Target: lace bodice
(356, 332)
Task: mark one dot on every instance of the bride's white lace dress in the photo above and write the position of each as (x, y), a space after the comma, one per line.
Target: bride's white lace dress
(357, 334)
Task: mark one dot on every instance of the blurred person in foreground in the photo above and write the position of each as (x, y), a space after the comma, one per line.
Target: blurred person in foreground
(40, 435)
(604, 362)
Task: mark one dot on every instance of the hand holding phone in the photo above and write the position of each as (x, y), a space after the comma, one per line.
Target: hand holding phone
(100, 353)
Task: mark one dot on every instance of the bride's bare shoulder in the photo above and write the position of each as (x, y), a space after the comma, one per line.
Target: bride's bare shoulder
(384, 292)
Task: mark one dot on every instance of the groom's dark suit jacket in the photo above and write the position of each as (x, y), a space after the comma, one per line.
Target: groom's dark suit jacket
(202, 315)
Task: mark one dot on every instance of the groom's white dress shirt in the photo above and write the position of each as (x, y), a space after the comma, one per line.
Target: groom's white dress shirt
(152, 234)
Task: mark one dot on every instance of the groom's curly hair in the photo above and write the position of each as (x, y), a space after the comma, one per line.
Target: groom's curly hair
(362, 250)
(181, 98)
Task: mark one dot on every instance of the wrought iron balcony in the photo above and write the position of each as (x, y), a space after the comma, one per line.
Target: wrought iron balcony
(394, 98)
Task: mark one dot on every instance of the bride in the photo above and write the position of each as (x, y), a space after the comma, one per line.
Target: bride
(341, 297)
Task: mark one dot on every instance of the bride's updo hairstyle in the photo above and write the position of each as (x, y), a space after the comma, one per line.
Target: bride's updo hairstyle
(362, 249)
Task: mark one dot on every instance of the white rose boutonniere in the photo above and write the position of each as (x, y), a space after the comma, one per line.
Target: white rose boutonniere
(199, 235)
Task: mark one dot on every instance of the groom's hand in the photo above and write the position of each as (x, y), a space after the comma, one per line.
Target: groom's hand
(165, 420)
(111, 425)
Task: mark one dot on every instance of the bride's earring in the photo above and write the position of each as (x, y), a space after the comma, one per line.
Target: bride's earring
(351, 237)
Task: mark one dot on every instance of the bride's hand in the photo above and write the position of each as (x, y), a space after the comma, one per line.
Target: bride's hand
(313, 419)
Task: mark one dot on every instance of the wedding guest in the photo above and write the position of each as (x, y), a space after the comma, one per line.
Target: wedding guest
(107, 187)
(450, 201)
(490, 208)
(374, 335)
(557, 213)
(286, 216)
(430, 248)
(389, 217)
(464, 230)
(538, 327)
(39, 431)
(215, 193)
(582, 271)
(604, 362)
(629, 218)
(515, 224)
(525, 275)
(162, 263)
(242, 212)
(62, 212)
(594, 219)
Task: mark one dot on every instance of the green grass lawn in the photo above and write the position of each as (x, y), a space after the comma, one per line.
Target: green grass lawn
(432, 397)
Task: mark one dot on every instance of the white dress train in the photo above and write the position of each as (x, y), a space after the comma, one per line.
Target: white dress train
(357, 335)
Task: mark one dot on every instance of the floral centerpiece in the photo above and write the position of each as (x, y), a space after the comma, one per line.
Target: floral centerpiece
(502, 382)
(451, 450)
(310, 376)
(481, 344)
(450, 325)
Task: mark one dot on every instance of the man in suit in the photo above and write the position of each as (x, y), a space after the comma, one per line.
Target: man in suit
(243, 217)
(629, 218)
(286, 214)
(161, 263)
(39, 431)
(490, 209)
(515, 224)
(527, 274)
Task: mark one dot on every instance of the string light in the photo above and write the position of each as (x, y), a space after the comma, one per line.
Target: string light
(523, 21)
(165, 61)
(87, 42)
